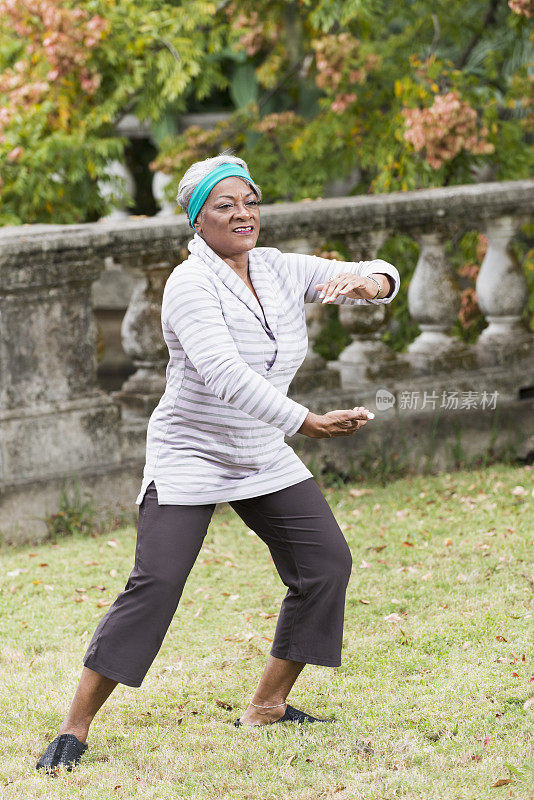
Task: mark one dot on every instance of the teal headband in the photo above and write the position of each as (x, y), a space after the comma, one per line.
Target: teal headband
(204, 187)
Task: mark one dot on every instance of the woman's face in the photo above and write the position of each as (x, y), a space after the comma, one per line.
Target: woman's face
(229, 220)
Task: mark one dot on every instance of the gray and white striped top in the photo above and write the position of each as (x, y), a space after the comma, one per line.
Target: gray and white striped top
(217, 433)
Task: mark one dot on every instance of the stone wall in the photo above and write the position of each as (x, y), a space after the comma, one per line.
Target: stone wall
(55, 421)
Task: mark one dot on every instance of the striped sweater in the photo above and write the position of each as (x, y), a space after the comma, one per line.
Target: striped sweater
(217, 433)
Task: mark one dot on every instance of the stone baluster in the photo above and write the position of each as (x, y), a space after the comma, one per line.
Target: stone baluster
(502, 293)
(143, 341)
(159, 182)
(366, 358)
(115, 187)
(312, 372)
(434, 303)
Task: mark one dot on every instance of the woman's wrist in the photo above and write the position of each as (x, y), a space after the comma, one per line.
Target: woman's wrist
(377, 287)
(383, 282)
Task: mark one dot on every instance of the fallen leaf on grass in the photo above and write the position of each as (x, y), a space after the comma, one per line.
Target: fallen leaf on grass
(501, 782)
(113, 573)
(102, 603)
(501, 639)
(44, 564)
(92, 563)
(448, 542)
(80, 598)
(519, 491)
(359, 492)
(394, 618)
(223, 704)
(364, 564)
(407, 544)
(112, 543)
(364, 602)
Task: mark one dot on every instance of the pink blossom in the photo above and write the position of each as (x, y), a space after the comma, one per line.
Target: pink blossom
(524, 7)
(56, 34)
(16, 153)
(445, 129)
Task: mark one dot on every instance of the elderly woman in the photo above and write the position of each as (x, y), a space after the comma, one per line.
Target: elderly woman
(234, 321)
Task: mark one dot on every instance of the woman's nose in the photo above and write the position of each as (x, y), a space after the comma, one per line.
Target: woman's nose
(242, 211)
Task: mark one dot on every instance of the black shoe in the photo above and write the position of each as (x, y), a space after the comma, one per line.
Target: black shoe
(291, 715)
(66, 749)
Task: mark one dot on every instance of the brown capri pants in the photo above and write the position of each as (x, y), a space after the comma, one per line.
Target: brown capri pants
(308, 549)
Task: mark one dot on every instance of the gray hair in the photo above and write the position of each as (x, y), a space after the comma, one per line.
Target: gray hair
(200, 169)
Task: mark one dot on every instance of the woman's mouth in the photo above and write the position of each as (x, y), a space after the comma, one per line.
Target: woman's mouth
(244, 229)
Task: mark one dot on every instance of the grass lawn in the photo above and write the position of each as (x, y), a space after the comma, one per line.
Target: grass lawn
(433, 699)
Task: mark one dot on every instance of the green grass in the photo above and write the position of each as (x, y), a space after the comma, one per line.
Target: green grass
(431, 706)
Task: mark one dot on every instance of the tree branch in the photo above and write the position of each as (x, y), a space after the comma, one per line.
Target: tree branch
(489, 19)
(437, 32)
(293, 69)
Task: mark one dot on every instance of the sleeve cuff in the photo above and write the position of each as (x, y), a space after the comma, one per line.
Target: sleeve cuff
(301, 412)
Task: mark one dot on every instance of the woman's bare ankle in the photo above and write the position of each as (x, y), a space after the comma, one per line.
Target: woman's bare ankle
(80, 730)
(262, 716)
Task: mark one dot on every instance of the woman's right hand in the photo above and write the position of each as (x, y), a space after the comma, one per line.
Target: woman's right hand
(342, 422)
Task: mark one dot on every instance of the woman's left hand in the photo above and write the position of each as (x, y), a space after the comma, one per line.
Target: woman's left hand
(349, 285)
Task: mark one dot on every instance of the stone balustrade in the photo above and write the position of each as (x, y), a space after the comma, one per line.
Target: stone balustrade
(56, 422)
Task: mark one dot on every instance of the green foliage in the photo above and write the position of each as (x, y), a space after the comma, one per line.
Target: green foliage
(314, 89)
(74, 515)
(523, 249)
(338, 90)
(54, 150)
(333, 338)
